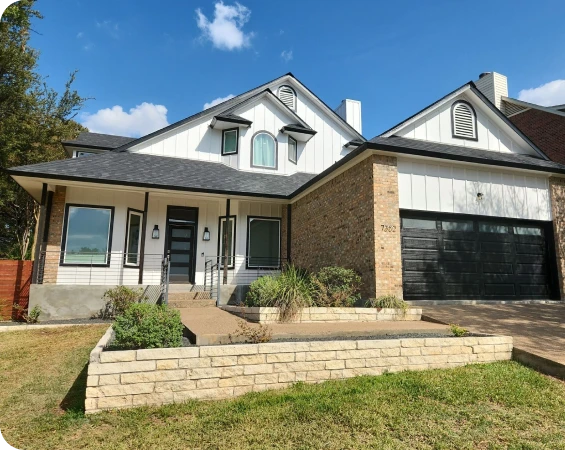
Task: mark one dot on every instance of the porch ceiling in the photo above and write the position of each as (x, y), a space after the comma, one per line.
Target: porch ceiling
(160, 172)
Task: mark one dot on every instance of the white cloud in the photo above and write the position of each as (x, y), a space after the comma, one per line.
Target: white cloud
(217, 101)
(549, 94)
(139, 121)
(226, 30)
(88, 46)
(286, 55)
(109, 27)
(80, 34)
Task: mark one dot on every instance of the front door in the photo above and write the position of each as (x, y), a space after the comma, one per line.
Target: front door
(181, 249)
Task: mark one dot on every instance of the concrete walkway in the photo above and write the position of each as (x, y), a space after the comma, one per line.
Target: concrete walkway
(213, 326)
(536, 328)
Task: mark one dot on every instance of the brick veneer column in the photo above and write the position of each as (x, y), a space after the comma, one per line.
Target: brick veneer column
(557, 195)
(388, 260)
(53, 246)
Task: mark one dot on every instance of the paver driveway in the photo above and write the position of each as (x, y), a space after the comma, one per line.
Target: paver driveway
(537, 328)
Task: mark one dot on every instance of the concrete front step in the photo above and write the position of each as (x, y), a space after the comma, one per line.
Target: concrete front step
(196, 295)
(204, 303)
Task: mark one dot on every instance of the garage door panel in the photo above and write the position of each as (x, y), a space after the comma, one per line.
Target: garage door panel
(484, 259)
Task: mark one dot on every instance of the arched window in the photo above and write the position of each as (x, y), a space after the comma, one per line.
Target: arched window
(264, 150)
(288, 96)
(463, 121)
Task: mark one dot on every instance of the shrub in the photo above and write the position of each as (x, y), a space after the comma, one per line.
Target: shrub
(387, 301)
(336, 287)
(457, 330)
(29, 316)
(251, 334)
(118, 299)
(148, 326)
(290, 291)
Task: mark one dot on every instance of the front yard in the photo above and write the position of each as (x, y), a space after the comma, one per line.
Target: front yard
(42, 384)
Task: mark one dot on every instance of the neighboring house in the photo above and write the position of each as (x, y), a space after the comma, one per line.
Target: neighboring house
(454, 203)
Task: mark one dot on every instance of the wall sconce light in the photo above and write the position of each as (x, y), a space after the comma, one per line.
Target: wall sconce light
(206, 235)
(155, 234)
(480, 196)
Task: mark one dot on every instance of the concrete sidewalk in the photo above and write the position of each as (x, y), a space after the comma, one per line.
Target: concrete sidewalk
(536, 328)
(213, 326)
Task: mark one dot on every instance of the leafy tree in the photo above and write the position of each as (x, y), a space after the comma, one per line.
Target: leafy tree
(34, 119)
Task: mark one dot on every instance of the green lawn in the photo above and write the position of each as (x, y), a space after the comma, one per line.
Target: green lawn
(502, 405)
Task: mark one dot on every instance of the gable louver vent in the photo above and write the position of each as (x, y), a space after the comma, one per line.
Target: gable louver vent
(288, 96)
(464, 121)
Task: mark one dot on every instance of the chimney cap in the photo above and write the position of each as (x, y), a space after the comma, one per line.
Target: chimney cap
(484, 74)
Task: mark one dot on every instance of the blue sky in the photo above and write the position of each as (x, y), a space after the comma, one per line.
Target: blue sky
(148, 63)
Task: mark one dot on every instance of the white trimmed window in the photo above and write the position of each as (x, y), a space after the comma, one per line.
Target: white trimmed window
(264, 151)
(292, 150)
(230, 140)
(231, 241)
(287, 95)
(133, 238)
(463, 121)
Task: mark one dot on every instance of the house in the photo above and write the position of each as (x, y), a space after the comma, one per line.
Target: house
(453, 203)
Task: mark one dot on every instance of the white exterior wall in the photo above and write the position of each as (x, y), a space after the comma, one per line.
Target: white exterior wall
(209, 211)
(453, 188)
(197, 141)
(436, 127)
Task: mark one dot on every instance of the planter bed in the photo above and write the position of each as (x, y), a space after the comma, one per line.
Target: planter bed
(313, 315)
(122, 379)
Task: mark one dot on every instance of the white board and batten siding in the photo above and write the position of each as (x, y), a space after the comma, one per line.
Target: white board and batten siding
(436, 127)
(196, 140)
(454, 189)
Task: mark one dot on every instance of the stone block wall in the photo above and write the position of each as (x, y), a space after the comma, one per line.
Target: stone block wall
(353, 221)
(557, 194)
(130, 378)
(53, 244)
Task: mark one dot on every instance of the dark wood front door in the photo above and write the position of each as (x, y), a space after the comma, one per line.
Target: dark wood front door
(181, 241)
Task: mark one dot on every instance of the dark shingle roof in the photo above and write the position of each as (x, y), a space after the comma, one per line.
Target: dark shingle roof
(163, 172)
(459, 153)
(97, 140)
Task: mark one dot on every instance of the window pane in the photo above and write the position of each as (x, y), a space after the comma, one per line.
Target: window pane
(264, 243)
(134, 234)
(292, 151)
(185, 233)
(529, 231)
(492, 228)
(230, 141)
(264, 150)
(231, 242)
(457, 226)
(79, 154)
(419, 223)
(88, 232)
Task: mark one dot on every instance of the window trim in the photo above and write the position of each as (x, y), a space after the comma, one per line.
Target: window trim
(236, 129)
(473, 112)
(290, 138)
(276, 167)
(220, 256)
(65, 229)
(293, 93)
(139, 213)
(273, 219)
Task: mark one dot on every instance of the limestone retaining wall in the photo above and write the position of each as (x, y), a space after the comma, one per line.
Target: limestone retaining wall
(121, 379)
(320, 315)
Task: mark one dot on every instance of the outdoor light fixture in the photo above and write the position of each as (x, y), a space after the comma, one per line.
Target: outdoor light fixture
(206, 235)
(479, 196)
(155, 234)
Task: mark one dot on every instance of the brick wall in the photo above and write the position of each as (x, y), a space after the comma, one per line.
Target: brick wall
(340, 224)
(53, 245)
(546, 130)
(557, 193)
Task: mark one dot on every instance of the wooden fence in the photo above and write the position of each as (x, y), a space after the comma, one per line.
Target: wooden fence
(15, 278)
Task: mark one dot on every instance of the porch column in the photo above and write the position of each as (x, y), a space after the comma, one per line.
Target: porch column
(225, 241)
(143, 232)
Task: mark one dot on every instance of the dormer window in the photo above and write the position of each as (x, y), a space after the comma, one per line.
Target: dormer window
(230, 140)
(463, 121)
(292, 150)
(287, 95)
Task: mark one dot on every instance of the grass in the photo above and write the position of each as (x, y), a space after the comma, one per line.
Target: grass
(502, 405)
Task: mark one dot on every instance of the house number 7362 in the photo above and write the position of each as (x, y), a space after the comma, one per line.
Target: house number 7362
(388, 228)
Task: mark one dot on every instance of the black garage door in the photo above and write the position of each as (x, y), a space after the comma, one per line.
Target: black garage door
(466, 257)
